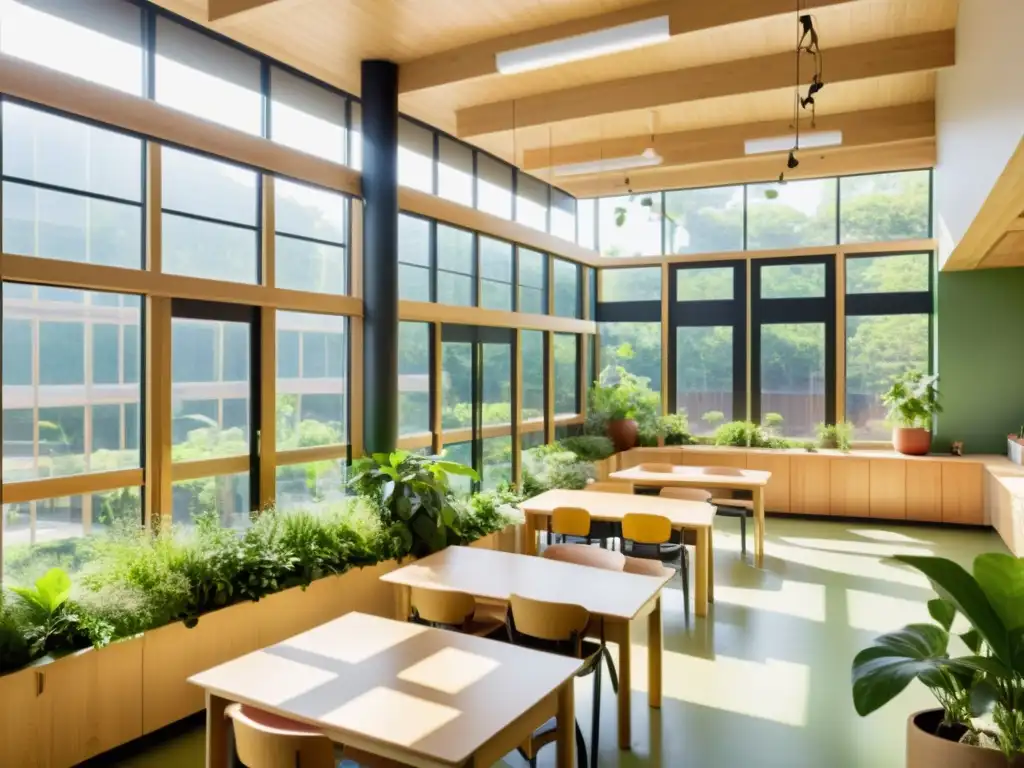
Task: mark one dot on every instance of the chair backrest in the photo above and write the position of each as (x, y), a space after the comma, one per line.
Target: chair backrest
(442, 606)
(609, 486)
(656, 467)
(686, 494)
(644, 528)
(265, 740)
(733, 471)
(581, 554)
(570, 521)
(554, 622)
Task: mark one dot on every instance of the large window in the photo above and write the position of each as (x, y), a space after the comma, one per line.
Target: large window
(306, 116)
(310, 242)
(631, 284)
(567, 357)
(708, 220)
(413, 378)
(311, 397)
(71, 191)
(455, 171)
(636, 347)
(415, 156)
(532, 280)
(493, 186)
(532, 202)
(495, 273)
(884, 206)
(532, 353)
(563, 215)
(413, 258)
(567, 288)
(456, 272)
(791, 215)
(630, 226)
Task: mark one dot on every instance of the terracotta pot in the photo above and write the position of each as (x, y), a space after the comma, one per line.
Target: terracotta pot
(623, 433)
(912, 441)
(926, 750)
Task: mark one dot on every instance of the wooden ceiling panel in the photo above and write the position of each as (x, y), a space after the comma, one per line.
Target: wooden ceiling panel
(1008, 252)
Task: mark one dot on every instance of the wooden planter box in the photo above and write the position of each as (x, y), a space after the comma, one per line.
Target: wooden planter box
(605, 467)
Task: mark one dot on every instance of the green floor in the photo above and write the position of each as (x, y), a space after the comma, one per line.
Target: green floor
(764, 680)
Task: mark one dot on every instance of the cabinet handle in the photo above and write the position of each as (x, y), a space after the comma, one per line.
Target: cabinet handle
(40, 683)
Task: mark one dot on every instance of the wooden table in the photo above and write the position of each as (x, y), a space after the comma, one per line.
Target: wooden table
(698, 516)
(422, 697)
(753, 480)
(614, 597)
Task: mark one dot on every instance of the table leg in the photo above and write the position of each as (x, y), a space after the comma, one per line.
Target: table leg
(624, 639)
(711, 565)
(565, 738)
(530, 534)
(403, 602)
(216, 732)
(759, 527)
(654, 648)
(700, 596)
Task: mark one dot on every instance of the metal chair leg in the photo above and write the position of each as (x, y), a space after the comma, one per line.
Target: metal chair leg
(595, 718)
(743, 534)
(581, 748)
(685, 573)
(611, 669)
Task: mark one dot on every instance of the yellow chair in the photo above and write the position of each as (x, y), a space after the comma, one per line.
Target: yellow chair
(643, 528)
(656, 467)
(559, 628)
(448, 609)
(605, 529)
(728, 505)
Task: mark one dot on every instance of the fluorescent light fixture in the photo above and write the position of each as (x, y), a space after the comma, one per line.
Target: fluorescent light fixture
(585, 46)
(786, 143)
(646, 159)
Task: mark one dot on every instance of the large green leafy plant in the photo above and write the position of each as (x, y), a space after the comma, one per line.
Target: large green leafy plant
(982, 691)
(619, 394)
(912, 400)
(414, 494)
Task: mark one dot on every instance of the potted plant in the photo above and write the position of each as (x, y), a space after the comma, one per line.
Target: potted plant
(622, 405)
(835, 436)
(912, 400)
(980, 723)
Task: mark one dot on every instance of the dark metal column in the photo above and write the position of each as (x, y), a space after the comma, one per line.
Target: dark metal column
(380, 255)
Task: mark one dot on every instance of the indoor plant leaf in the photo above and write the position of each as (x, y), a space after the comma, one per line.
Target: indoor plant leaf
(942, 611)
(1001, 578)
(883, 670)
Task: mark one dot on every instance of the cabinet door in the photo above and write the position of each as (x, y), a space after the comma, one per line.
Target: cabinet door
(850, 487)
(924, 490)
(962, 493)
(720, 457)
(25, 719)
(809, 484)
(889, 488)
(776, 493)
(97, 701)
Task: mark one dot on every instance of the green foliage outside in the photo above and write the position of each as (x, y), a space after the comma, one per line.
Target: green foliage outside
(982, 692)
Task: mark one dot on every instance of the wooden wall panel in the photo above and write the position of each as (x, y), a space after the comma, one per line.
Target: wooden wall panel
(924, 491)
(962, 493)
(889, 489)
(776, 495)
(849, 481)
(810, 483)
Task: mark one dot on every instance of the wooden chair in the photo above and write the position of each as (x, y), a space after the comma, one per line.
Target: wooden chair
(582, 554)
(729, 505)
(559, 628)
(265, 740)
(458, 611)
(657, 467)
(643, 528)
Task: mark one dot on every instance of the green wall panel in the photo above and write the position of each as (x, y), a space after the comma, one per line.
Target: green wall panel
(980, 358)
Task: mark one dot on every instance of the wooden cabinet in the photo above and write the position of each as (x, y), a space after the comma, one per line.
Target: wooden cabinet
(809, 486)
(776, 493)
(924, 491)
(718, 457)
(888, 489)
(849, 480)
(26, 722)
(962, 493)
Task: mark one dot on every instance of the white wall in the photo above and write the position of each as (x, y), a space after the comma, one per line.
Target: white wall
(979, 107)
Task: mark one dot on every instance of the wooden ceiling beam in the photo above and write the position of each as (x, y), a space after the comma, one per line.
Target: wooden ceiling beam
(893, 56)
(478, 59)
(832, 161)
(1017, 225)
(873, 126)
(221, 9)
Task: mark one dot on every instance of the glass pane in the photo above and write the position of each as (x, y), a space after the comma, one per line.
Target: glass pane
(634, 346)
(413, 378)
(793, 281)
(454, 249)
(563, 215)
(207, 78)
(496, 271)
(201, 186)
(531, 300)
(311, 405)
(497, 466)
(413, 240)
(456, 385)
(878, 349)
(791, 215)
(704, 220)
(630, 226)
(455, 171)
(59, 225)
(793, 375)
(532, 202)
(586, 223)
(44, 366)
(204, 425)
(413, 283)
(309, 212)
(415, 156)
(315, 487)
(493, 186)
(638, 284)
(39, 146)
(533, 374)
(463, 454)
(302, 265)
(567, 288)
(496, 385)
(204, 249)
(495, 295)
(566, 374)
(318, 262)
(888, 274)
(884, 206)
(705, 284)
(355, 147)
(226, 498)
(532, 268)
(704, 376)
(306, 116)
(40, 535)
(97, 40)
(454, 289)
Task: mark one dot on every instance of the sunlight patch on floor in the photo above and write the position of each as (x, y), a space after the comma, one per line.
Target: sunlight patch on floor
(792, 598)
(868, 567)
(870, 549)
(882, 613)
(894, 537)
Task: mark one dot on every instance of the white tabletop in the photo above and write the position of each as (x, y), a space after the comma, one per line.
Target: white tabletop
(495, 575)
(695, 477)
(615, 506)
(378, 684)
